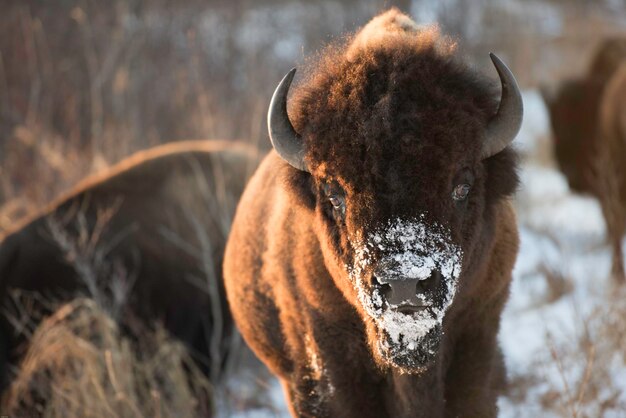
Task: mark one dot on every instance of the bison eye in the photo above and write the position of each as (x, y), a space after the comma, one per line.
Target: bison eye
(338, 202)
(461, 191)
(336, 196)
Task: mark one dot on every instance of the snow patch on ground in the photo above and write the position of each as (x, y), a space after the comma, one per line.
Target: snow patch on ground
(563, 236)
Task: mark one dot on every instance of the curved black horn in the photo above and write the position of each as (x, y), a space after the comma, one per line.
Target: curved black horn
(285, 140)
(505, 125)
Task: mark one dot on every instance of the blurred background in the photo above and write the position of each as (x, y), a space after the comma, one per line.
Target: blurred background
(85, 83)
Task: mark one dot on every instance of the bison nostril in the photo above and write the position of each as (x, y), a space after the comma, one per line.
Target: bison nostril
(375, 281)
(385, 288)
(431, 283)
(401, 292)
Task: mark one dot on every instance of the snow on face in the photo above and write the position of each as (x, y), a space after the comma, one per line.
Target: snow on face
(407, 249)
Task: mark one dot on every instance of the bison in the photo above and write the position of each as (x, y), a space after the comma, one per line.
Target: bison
(587, 117)
(610, 164)
(144, 238)
(370, 256)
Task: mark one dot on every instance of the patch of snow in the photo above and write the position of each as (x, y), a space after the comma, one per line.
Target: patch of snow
(562, 235)
(534, 135)
(408, 330)
(545, 203)
(541, 185)
(415, 249)
(544, 251)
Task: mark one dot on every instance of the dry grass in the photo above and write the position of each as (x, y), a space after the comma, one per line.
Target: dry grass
(108, 281)
(558, 284)
(80, 362)
(589, 366)
(79, 365)
(580, 377)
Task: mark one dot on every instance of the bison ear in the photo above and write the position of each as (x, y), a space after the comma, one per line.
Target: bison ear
(285, 140)
(505, 125)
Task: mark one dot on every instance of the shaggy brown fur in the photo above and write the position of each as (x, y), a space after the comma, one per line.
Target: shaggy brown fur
(156, 223)
(573, 109)
(393, 121)
(590, 140)
(610, 164)
(573, 123)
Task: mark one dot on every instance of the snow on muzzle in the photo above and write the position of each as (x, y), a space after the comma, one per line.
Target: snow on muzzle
(415, 268)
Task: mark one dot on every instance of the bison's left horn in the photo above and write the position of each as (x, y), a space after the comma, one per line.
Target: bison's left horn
(285, 140)
(505, 125)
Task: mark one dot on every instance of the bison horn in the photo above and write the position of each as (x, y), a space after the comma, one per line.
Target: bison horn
(505, 125)
(285, 140)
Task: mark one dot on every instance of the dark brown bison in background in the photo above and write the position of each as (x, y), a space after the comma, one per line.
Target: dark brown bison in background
(610, 164)
(371, 253)
(588, 119)
(145, 239)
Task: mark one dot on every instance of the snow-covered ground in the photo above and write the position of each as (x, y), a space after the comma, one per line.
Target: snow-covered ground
(561, 280)
(562, 241)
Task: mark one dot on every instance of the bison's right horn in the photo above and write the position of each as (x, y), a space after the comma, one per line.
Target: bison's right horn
(285, 140)
(505, 125)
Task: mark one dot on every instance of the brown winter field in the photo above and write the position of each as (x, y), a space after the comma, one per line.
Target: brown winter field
(85, 83)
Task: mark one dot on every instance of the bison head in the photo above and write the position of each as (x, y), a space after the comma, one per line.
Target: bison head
(400, 151)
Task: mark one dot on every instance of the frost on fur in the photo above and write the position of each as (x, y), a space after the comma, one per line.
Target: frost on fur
(409, 249)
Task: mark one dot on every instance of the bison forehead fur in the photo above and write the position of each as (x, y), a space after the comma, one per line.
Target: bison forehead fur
(319, 261)
(393, 117)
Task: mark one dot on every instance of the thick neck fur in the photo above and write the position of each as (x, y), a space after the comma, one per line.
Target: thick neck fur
(342, 376)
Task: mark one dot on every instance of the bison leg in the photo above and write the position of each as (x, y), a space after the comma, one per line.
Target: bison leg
(303, 397)
(617, 270)
(476, 375)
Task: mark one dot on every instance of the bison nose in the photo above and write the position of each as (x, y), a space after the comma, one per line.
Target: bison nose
(407, 294)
